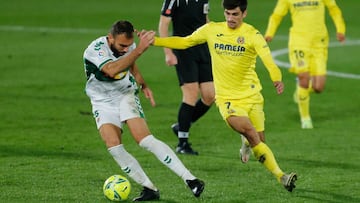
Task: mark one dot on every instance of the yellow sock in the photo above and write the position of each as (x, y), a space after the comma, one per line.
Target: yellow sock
(265, 156)
(304, 102)
(310, 87)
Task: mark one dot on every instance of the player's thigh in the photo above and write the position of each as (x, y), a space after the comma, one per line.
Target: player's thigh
(105, 113)
(319, 62)
(228, 108)
(130, 107)
(186, 69)
(107, 118)
(257, 116)
(207, 91)
(205, 71)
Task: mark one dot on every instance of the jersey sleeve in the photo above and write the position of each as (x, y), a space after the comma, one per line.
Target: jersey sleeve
(263, 51)
(274, 70)
(336, 15)
(97, 55)
(167, 8)
(197, 37)
(280, 10)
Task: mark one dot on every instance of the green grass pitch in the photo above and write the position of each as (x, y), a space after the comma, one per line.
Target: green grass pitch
(50, 150)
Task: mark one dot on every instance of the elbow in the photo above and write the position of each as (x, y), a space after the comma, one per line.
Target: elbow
(108, 71)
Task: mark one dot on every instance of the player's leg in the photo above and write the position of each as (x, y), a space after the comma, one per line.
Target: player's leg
(303, 93)
(109, 124)
(199, 73)
(318, 74)
(111, 135)
(190, 92)
(203, 104)
(111, 128)
(162, 151)
(257, 118)
(187, 73)
(207, 90)
(300, 59)
(318, 83)
(261, 151)
(236, 116)
(235, 113)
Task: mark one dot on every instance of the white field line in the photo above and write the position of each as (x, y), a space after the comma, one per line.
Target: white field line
(275, 53)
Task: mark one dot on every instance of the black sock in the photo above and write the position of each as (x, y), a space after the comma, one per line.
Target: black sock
(184, 118)
(199, 110)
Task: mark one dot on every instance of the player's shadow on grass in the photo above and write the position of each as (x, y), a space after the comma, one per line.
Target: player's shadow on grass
(323, 196)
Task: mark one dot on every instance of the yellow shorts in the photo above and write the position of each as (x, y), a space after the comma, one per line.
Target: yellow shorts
(308, 53)
(252, 107)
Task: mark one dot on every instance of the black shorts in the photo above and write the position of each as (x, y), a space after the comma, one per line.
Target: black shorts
(194, 65)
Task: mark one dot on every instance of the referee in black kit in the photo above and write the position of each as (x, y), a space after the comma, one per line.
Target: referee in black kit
(193, 65)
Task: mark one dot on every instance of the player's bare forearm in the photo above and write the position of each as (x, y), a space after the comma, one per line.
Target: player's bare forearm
(115, 67)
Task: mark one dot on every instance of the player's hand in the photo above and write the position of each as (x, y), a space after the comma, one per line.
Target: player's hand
(279, 87)
(268, 38)
(170, 59)
(146, 39)
(340, 37)
(148, 95)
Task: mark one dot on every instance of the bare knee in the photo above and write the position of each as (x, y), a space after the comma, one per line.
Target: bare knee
(318, 89)
(318, 83)
(208, 99)
(207, 93)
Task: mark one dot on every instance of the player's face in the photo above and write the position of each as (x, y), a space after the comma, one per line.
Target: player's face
(234, 17)
(120, 44)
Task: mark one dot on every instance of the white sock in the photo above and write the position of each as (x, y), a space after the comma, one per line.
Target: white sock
(163, 152)
(130, 166)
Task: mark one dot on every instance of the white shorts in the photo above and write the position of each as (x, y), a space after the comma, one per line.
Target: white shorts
(117, 110)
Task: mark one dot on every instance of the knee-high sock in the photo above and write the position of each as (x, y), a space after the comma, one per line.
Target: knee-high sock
(130, 166)
(185, 115)
(265, 156)
(304, 102)
(199, 111)
(166, 156)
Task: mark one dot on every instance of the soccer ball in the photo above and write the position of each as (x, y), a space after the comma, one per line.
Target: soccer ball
(117, 188)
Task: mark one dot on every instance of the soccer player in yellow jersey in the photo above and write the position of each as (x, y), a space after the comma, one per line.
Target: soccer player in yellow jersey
(308, 45)
(234, 46)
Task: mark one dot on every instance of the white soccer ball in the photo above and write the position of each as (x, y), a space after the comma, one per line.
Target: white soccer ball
(117, 188)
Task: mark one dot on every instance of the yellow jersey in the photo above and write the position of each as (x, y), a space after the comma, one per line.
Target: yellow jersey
(308, 19)
(233, 55)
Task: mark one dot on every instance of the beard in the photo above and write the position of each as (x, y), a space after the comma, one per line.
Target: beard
(116, 53)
